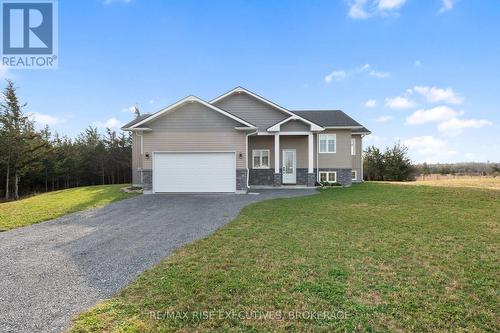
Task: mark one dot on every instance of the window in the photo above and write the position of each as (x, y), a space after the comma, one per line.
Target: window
(354, 175)
(260, 158)
(328, 176)
(327, 143)
(353, 146)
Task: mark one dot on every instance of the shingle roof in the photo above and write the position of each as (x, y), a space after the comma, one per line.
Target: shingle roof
(328, 118)
(361, 130)
(136, 120)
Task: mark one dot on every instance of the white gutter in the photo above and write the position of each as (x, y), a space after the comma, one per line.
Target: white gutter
(317, 157)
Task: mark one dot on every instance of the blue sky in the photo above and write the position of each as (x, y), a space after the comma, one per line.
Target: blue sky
(426, 73)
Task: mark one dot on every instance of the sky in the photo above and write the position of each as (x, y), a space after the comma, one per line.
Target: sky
(424, 73)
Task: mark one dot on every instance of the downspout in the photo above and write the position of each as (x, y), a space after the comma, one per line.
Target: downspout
(142, 154)
(362, 169)
(248, 170)
(317, 157)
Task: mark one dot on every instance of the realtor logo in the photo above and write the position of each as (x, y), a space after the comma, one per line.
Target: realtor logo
(29, 33)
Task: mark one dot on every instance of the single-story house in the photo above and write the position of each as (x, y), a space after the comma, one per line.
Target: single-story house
(241, 140)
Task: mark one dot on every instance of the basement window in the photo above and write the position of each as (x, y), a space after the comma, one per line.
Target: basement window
(328, 176)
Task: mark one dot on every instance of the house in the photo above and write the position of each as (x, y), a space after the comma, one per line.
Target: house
(241, 140)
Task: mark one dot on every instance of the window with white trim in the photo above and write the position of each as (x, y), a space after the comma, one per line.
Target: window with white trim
(327, 143)
(260, 158)
(353, 146)
(354, 175)
(328, 176)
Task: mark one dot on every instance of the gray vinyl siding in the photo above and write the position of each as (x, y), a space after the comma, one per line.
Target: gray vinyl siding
(357, 159)
(261, 142)
(194, 127)
(136, 159)
(299, 143)
(295, 126)
(252, 110)
(342, 157)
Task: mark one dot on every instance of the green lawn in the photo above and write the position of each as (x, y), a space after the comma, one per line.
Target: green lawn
(389, 257)
(47, 206)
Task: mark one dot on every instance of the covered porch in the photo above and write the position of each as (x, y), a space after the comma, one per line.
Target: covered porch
(281, 159)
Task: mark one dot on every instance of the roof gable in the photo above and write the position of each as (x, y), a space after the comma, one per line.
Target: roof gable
(257, 109)
(189, 99)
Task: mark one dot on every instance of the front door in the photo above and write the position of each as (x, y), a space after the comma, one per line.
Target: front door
(289, 166)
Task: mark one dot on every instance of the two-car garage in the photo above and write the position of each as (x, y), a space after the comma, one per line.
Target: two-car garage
(194, 172)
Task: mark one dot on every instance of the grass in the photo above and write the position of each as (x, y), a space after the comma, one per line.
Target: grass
(48, 206)
(375, 257)
(475, 182)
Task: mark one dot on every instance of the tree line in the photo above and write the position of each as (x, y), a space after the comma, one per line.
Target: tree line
(391, 164)
(33, 161)
(464, 168)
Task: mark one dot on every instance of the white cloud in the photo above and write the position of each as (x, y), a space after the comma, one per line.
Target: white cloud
(44, 119)
(363, 9)
(336, 75)
(437, 95)
(380, 75)
(383, 119)
(428, 149)
(390, 4)
(455, 126)
(371, 103)
(112, 123)
(363, 68)
(341, 74)
(439, 113)
(129, 109)
(399, 102)
(470, 156)
(357, 10)
(446, 5)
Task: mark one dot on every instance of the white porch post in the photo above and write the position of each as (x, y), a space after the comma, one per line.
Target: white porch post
(310, 153)
(276, 153)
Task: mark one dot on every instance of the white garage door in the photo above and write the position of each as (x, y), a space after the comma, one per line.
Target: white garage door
(194, 172)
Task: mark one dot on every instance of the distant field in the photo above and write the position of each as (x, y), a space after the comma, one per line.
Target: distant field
(51, 205)
(464, 181)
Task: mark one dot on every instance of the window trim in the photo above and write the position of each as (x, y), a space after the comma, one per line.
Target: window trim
(334, 143)
(327, 176)
(355, 175)
(353, 147)
(254, 151)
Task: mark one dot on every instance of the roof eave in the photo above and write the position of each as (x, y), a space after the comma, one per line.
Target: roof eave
(136, 129)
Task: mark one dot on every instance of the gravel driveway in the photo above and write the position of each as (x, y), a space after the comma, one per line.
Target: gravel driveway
(51, 271)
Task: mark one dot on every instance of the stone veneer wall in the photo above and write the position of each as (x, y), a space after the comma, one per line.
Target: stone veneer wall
(241, 179)
(147, 180)
(261, 177)
(301, 176)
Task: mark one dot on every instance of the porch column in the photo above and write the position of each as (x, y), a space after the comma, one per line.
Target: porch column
(310, 153)
(311, 176)
(277, 173)
(276, 153)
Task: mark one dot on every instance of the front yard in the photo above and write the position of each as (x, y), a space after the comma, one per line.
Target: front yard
(374, 257)
(51, 205)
